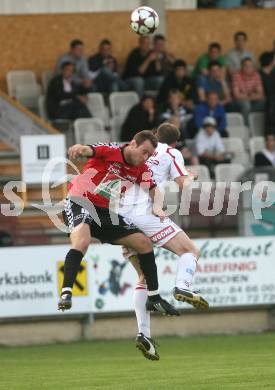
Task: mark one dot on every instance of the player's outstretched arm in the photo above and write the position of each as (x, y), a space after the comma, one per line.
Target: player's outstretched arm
(78, 150)
(158, 199)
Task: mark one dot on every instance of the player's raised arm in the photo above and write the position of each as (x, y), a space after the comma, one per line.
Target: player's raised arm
(79, 150)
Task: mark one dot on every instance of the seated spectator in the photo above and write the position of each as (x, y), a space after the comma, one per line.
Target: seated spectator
(213, 54)
(211, 108)
(267, 74)
(157, 64)
(235, 56)
(103, 69)
(132, 76)
(178, 79)
(141, 117)
(175, 109)
(65, 99)
(214, 81)
(210, 148)
(77, 57)
(266, 158)
(248, 89)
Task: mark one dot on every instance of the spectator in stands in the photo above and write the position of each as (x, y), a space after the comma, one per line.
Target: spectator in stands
(214, 54)
(248, 89)
(178, 79)
(157, 64)
(132, 76)
(214, 81)
(174, 111)
(211, 108)
(210, 148)
(267, 156)
(235, 56)
(267, 61)
(77, 57)
(66, 99)
(103, 69)
(141, 117)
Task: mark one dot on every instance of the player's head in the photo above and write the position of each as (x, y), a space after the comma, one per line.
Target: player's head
(168, 134)
(141, 147)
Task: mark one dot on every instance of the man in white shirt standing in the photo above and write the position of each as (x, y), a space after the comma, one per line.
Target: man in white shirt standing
(166, 164)
(209, 146)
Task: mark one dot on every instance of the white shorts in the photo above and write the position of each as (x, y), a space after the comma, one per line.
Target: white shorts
(159, 232)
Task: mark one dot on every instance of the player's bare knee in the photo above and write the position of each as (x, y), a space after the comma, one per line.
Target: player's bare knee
(82, 244)
(144, 244)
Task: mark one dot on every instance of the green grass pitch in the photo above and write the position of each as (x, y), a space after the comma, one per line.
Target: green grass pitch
(195, 363)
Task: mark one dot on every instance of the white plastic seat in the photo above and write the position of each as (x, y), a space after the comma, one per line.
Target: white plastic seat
(89, 131)
(256, 144)
(122, 102)
(201, 170)
(97, 107)
(236, 146)
(256, 122)
(228, 172)
(116, 125)
(46, 77)
(234, 119)
(241, 132)
(22, 85)
(42, 108)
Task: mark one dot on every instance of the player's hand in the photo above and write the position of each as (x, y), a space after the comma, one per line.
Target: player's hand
(159, 213)
(77, 151)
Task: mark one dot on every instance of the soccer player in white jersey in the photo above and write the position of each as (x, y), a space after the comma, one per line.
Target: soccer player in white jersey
(166, 164)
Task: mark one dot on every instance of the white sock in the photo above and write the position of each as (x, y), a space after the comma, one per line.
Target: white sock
(66, 290)
(187, 264)
(143, 316)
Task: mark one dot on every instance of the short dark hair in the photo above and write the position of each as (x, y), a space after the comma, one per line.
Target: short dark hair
(214, 45)
(179, 63)
(65, 64)
(240, 34)
(168, 133)
(158, 37)
(245, 59)
(76, 42)
(146, 135)
(266, 58)
(105, 42)
(214, 63)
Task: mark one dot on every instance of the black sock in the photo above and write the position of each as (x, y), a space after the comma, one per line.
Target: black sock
(71, 267)
(149, 269)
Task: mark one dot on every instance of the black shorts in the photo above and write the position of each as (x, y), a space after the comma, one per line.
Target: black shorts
(104, 225)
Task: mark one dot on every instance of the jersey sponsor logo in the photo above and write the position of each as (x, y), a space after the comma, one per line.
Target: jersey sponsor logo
(162, 234)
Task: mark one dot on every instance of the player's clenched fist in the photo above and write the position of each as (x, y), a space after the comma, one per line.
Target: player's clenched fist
(78, 150)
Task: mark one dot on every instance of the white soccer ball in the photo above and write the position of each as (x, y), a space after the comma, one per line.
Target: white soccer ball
(144, 20)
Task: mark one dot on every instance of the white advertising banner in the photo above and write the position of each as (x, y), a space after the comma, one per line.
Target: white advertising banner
(37, 151)
(230, 272)
(31, 278)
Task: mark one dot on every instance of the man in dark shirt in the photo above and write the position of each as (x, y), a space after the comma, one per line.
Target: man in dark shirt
(65, 99)
(103, 69)
(178, 80)
(132, 76)
(268, 79)
(266, 158)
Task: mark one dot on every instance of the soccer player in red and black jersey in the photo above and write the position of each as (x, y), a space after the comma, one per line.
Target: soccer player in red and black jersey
(88, 213)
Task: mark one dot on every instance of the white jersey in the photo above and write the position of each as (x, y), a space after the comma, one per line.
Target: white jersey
(165, 164)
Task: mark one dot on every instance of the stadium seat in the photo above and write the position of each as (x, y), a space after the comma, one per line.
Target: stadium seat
(234, 119)
(241, 132)
(22, 85)
(236, 146)
(90, 130)
(256, 144)
(97, 108)
(122, 102)
(45, 79)
(256, 122)
(201, 170)
(116, 124)
(228, 172)
(42, 108)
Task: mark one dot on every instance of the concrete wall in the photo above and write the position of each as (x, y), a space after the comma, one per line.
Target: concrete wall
(188, 324)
